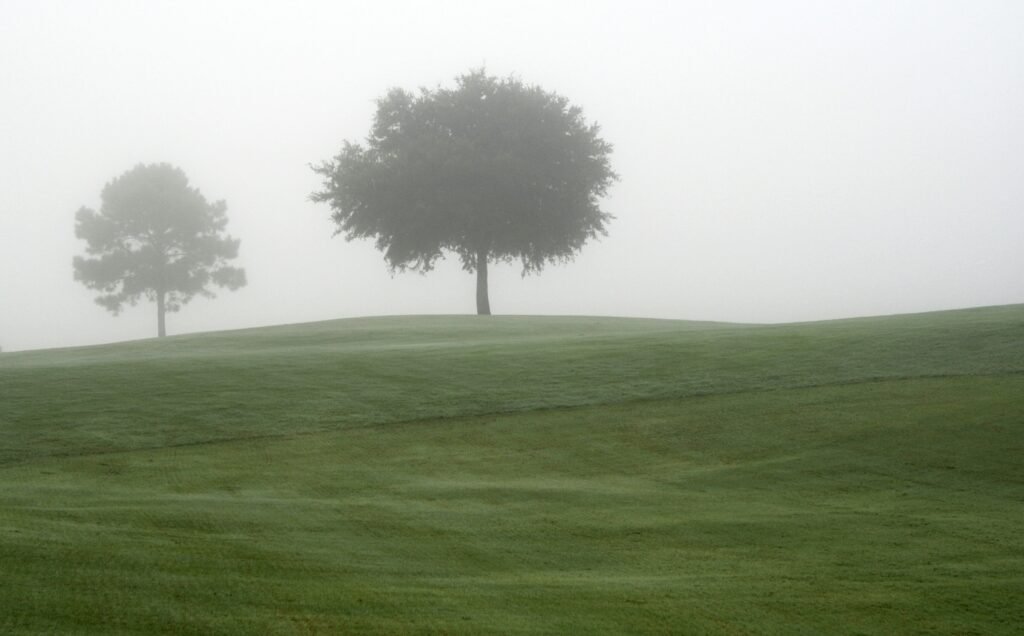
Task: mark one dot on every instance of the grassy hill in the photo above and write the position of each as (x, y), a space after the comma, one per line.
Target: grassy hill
(520, 475)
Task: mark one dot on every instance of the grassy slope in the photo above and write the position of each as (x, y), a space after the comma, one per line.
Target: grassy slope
(521, 474)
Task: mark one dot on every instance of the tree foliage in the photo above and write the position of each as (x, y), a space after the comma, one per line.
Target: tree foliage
(155, 237)
(490, 170)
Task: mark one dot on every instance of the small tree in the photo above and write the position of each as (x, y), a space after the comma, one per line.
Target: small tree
(492, 170)
(155, 236)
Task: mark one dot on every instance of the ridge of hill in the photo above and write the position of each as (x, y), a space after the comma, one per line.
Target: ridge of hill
(337, 374)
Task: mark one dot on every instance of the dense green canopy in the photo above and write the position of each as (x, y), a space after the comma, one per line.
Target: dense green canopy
(491, 170)
(157, 237)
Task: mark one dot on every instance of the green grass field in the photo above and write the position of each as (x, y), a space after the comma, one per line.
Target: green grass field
(468, 475)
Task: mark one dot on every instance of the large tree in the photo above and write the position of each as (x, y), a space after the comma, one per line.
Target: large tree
(155, 237)
(490, 170)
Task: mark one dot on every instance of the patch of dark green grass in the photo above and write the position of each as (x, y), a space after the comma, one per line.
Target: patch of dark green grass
(329, 376)
(449, 475)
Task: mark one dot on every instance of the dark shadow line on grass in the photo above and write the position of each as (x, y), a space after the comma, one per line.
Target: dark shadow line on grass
(697, 395)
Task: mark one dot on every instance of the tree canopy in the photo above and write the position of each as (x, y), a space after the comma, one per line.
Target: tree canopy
(492, 170)
(155, 237)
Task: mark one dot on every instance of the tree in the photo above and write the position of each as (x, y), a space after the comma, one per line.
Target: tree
(492, 170)
(155, 236)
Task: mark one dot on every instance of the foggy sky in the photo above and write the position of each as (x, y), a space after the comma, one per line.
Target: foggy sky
(779, 161)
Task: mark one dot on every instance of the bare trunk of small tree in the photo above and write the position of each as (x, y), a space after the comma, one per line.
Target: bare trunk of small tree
(161, 328)
(483, 303)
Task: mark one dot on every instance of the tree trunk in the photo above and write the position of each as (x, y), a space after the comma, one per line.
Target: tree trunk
(483, 303)
(161, 328)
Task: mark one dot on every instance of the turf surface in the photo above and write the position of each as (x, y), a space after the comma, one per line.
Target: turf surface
(520, 475)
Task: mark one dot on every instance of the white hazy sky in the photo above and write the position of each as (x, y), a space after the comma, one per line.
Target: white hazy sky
(780, 161)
